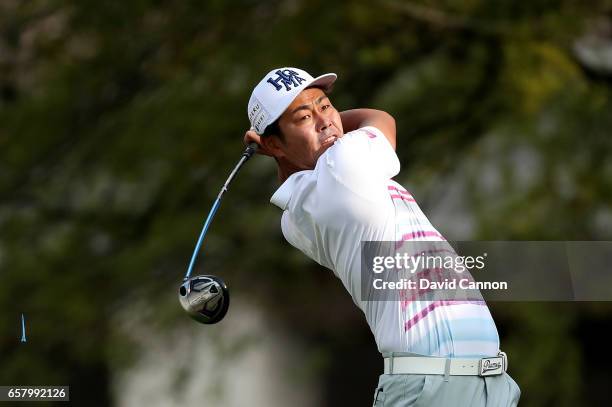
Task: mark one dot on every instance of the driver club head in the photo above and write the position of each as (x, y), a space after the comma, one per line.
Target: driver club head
(205, 298)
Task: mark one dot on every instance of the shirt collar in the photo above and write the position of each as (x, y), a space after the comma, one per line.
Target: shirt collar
(283, 194)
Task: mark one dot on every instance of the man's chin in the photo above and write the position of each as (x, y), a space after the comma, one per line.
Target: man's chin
(322, 150)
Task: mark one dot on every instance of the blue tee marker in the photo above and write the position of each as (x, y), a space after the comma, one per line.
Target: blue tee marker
(23, 333)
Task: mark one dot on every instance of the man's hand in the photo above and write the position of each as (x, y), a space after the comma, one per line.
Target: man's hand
(250, 136)
(357, 118)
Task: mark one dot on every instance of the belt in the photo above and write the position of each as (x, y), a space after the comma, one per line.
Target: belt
(489, 366)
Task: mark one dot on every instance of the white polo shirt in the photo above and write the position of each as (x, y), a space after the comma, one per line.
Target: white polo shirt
(349, 197)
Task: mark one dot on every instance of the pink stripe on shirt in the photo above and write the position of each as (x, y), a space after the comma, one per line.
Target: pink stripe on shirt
(415, 235)
(370, 134)
(401, 191)
(403, 198)
(417, 295)
(420, 233)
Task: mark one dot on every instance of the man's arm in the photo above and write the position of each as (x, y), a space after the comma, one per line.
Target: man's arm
(357, 118)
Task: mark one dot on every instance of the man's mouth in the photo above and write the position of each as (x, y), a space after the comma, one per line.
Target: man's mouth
(328, 140)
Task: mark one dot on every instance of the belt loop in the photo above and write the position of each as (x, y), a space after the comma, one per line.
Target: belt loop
(391, 364)
(504, 359)
(447, 369)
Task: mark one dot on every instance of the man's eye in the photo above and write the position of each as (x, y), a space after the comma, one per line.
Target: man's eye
(325, 107)
(304, 117)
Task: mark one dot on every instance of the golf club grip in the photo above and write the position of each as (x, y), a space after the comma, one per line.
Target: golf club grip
(250, 150)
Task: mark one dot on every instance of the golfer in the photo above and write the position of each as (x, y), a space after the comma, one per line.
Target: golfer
(336, 192)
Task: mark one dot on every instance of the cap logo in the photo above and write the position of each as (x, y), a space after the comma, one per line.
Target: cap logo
(287, 77)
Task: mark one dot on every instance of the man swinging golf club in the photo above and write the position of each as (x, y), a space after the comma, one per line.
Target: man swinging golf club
(337, 192)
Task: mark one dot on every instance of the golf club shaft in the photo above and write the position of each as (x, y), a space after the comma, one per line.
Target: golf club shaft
(248, 152)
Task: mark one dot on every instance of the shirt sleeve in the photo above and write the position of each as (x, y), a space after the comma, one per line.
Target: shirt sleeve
(371, 150)
(363, 159)
(381, 149)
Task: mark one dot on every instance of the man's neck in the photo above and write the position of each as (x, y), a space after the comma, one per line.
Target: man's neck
(286, 169)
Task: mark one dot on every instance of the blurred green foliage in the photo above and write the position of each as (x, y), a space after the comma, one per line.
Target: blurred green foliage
(119, 121)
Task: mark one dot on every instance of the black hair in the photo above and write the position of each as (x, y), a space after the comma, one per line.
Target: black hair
(273, 129)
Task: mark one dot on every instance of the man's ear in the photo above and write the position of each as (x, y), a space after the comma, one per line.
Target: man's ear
(267, 145)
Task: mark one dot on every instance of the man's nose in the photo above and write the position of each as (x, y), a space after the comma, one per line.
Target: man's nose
(323, 121)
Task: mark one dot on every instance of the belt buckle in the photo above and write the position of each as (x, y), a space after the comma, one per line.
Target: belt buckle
(492, 366)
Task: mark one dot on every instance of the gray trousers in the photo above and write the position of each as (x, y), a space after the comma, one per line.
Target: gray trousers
(399, 390)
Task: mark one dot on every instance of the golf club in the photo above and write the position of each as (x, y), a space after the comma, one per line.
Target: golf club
(206, 297)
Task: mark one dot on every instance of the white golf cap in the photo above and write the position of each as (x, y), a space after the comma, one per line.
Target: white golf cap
(275, 92)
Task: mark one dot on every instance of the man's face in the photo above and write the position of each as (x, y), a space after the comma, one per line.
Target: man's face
(310, 125)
